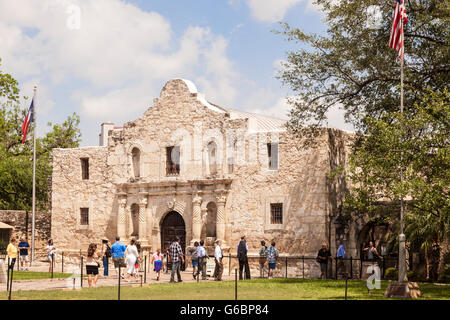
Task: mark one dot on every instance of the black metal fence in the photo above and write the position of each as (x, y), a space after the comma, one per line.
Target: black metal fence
(307, 267)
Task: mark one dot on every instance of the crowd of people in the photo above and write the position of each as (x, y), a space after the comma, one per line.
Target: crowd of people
(127, 259)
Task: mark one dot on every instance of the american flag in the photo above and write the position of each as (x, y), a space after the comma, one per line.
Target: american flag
(396, 41)
(27, 121)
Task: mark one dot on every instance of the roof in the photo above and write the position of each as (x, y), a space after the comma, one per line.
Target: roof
(258, 122)
(5, 226)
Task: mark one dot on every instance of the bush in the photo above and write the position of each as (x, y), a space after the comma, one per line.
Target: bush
(391, 274)
(413, 276)
(445, 275)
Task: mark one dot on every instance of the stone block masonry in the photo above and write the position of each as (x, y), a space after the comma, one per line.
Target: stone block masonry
(21, 221)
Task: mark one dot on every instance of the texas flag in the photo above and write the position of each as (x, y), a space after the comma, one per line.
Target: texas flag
(28, 120)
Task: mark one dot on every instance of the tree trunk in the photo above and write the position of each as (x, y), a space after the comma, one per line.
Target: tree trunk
(428, 261)
(445, 249)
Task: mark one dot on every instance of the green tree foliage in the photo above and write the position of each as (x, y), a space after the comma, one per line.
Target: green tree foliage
(16, 159)
(417, 143)
(353, 67)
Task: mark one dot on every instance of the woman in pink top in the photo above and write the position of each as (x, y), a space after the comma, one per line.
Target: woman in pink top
(157, 260)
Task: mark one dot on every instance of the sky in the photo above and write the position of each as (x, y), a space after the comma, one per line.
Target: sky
(107, 60)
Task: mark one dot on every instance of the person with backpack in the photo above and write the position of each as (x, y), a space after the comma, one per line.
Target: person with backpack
(272, 256)
(194, 257)
(106, 250)
(243, 259)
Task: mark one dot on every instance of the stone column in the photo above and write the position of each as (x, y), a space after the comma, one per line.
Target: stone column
(220, 222)
(121, 219)
(196, 219)
(142, 219)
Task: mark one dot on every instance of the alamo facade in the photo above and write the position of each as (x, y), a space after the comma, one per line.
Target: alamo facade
(191, 168)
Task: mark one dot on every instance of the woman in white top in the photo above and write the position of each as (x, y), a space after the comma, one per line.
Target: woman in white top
(50, 254)
(131, 255)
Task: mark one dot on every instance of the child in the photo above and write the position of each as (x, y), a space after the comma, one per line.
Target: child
(157, 260)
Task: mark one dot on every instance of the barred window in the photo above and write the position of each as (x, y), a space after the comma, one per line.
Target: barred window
(84, 216)
(173, 161)
(85, 168)
(276, 213)
(272, 154)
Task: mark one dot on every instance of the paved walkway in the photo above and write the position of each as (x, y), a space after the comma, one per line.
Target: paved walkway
(53, 284)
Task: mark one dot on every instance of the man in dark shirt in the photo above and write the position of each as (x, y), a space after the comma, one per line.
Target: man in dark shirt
(322, 257)
(243, 259)
(24, 246)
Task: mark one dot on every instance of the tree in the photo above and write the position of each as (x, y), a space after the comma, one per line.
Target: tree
(417, 143)
(353, 67)
(16, 159)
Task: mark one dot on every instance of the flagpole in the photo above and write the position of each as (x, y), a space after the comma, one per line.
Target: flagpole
(33, 216)
(402, 274)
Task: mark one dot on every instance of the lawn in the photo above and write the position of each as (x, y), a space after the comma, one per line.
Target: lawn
(275, 289)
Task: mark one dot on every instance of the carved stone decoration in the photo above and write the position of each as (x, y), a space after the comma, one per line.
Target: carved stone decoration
(171, 204)
(196, 217)
(142, 220)
(121, 218)
(220, 222)
(221, 208)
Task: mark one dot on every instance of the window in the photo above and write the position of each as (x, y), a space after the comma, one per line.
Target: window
(85, 168)
(212, 150)
(173, 161)
(84, 216)
(276, 213)
(272, 154)
(230, 159)
(136, 160)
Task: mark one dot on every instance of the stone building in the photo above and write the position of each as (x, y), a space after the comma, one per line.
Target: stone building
(191, 168)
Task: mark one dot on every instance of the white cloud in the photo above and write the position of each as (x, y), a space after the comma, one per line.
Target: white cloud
(270, 10)
(119, 53)
(279, 109)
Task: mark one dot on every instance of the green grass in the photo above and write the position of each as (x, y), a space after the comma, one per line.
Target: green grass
(31, 275)
(276, 289)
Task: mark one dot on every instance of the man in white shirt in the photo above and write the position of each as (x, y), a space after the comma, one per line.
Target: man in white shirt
(218, 254)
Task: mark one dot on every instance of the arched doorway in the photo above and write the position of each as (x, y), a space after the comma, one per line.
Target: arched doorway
(171, 226)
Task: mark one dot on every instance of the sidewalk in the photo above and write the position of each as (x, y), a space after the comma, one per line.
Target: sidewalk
(111, 281)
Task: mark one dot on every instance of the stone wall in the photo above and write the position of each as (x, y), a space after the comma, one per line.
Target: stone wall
(21, 221)
(70, 193)
(301, 182)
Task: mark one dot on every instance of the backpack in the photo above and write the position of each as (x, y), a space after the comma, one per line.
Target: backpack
(108, 252)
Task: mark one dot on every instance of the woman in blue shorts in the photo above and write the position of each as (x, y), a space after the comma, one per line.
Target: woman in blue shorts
(157, 260)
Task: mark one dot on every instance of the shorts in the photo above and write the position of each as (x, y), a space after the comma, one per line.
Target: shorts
(272, 266)
(157, 266)
(92, 270)
(323, 267)
(194, 263)
(51, 256)
(119, 262)
(23, 258)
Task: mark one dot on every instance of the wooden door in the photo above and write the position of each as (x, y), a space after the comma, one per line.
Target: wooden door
(172, 226)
